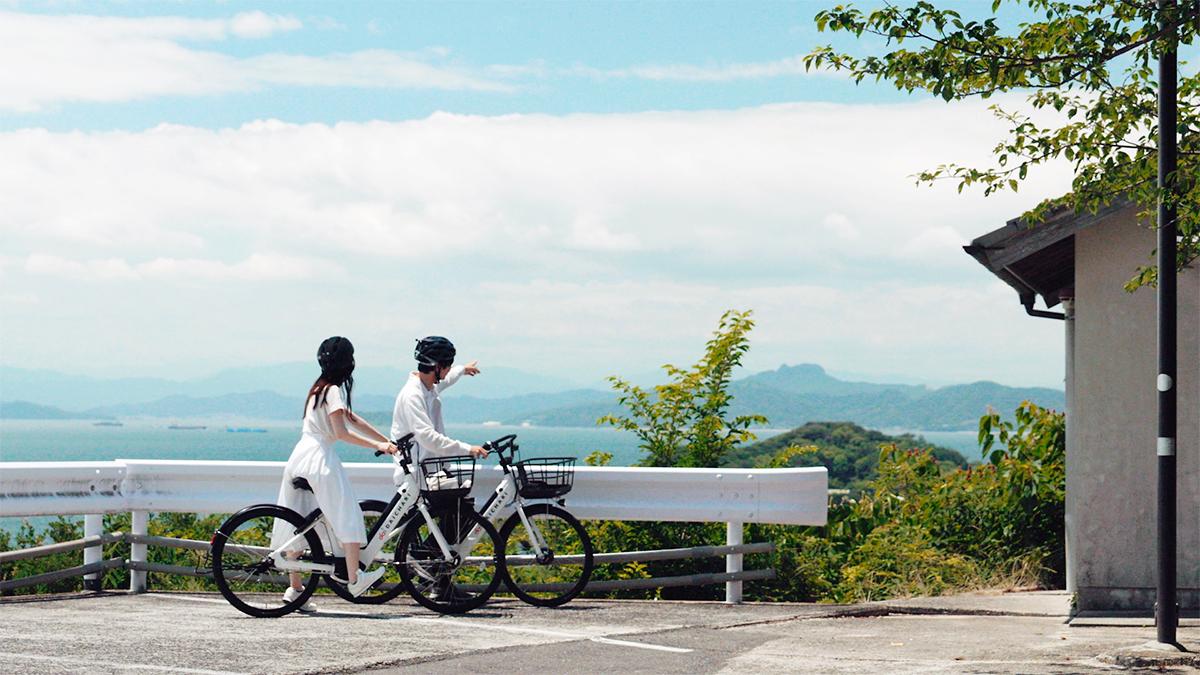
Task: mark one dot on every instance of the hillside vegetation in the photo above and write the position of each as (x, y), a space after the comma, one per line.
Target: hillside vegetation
(848, 451)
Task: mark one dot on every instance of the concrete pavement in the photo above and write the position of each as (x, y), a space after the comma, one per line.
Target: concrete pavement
(200, 633)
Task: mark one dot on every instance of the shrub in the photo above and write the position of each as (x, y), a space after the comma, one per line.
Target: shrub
(899, 559)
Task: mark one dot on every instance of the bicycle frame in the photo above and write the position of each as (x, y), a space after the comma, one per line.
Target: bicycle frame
(506, 495)
(398, 514)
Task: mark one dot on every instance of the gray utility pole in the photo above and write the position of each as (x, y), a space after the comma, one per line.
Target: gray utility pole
(1166, 609)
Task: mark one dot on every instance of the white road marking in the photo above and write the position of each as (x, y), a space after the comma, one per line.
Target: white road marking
(641, 645)
(89, 662)
(549, 633)
(189, 598)
(520, 630)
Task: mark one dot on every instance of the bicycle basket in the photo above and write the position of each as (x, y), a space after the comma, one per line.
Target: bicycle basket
(446, 478)
(545, 477)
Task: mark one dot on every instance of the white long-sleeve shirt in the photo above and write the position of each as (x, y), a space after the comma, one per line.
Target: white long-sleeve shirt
(419, 411)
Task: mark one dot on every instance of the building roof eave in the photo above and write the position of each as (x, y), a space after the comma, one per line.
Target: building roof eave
(1038, 258)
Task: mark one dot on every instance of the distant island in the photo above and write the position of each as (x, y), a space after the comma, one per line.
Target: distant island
(848, 451)
(790, 396)
(24, 410)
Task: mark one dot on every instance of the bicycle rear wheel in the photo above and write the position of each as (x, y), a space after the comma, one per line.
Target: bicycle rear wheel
(461, 583)
(391, 585)
(554, 575)
(243, 570)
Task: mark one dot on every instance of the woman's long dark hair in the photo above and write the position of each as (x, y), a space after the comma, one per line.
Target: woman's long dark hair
(336, 358)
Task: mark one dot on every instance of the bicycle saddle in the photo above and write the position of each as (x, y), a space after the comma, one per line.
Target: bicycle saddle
(301, 484)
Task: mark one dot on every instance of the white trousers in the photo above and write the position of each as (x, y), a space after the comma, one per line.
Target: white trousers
(319, 464)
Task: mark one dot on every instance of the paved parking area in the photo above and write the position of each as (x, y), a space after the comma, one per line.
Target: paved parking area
(200, 633)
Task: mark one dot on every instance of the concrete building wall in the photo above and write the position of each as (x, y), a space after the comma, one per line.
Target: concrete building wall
(1111, 459)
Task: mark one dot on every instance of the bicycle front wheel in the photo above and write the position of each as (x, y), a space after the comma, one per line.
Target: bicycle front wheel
(466, 579)
(243, 569)
(549, 575)
(390, 585)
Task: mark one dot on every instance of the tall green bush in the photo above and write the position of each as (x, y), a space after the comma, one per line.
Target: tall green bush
(686, 422)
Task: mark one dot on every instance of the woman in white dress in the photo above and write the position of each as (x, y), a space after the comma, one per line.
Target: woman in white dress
(328, 419)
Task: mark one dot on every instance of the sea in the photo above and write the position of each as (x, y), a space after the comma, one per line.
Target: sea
(272, 440)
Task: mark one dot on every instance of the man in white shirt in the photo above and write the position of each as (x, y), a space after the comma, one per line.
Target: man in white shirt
(418, 409)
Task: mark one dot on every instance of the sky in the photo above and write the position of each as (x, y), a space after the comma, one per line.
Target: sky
(573, 189)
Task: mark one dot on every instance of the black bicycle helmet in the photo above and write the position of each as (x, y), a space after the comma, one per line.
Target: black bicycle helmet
(336, 358)
(434, 350)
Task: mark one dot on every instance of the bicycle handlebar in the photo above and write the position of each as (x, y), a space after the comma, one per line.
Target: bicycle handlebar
(502, 445)
(499, 446)
(405, 444)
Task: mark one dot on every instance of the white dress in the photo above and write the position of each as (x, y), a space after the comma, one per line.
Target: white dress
(315, 460)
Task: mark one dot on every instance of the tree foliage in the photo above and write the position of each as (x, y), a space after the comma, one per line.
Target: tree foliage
(1093, 63)
(685, 422)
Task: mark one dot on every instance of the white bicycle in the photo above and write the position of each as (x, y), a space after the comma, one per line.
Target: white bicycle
(447, 557)
(548, 556)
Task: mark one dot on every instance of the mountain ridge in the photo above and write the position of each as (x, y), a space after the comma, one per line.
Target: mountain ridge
(788, 396)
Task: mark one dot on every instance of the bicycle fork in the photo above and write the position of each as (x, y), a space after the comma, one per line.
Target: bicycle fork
(539, 542)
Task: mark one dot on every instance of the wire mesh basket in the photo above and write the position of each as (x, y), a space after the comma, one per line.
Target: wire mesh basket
(446, 478)
(545, 477)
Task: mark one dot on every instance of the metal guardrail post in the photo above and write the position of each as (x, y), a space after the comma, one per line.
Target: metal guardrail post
(733, 563)
(137, 553)
(93, 525)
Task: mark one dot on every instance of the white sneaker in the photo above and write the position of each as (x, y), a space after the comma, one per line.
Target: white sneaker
(365, 581)
(291, 594)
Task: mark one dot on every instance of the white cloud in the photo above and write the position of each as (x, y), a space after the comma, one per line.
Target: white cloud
(325, 23)
(840, 225)
(716, 72)
(63, 59)
(258, 24)
(571, 231)
(257, 267)
(92, 270)
(745, 186)
(589, 233)
(928, 243)
(374, 68)
(752, 188)
(952, 329)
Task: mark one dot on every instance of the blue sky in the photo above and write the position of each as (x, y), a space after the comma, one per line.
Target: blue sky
(568, 188)
(572, 57)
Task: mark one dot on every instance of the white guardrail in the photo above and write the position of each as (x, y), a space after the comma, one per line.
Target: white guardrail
(732, 496)
(785, 496)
